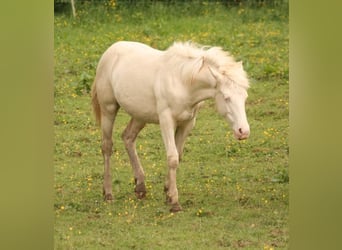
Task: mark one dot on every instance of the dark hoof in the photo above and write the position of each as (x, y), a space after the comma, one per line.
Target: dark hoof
(140, 195)
(140, 191)
(108, 197)
(175, 208)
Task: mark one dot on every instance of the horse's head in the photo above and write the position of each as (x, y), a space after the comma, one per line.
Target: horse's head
(232, 85)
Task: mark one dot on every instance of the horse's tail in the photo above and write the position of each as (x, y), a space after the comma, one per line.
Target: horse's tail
(95, 103)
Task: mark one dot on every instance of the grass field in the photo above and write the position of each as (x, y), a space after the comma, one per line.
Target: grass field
(234, 194)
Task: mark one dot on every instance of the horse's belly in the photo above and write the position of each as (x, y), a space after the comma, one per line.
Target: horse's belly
(138, 103)
(141, 112)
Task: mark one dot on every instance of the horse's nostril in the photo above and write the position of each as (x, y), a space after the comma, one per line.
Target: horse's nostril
(240, 130)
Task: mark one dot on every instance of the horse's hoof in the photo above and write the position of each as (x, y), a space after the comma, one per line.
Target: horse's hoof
(175, 208)
(108, 197)
(140, 195)
(140, 191)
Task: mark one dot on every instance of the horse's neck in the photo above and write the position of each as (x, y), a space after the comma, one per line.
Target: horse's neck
(200, 87)
(201, 94)
(196, 87)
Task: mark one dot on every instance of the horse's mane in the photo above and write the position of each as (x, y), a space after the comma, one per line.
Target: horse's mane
(215, 56)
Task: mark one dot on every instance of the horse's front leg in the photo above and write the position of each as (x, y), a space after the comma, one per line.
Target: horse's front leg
(167, 126)
(182, 132)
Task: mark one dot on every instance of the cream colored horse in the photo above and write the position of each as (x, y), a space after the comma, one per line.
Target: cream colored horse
(164, 87)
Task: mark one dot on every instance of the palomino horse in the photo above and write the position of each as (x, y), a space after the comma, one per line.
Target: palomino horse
(164, 87)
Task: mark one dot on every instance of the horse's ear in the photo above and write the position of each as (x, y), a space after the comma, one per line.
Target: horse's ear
(199, 64)
(215, 73)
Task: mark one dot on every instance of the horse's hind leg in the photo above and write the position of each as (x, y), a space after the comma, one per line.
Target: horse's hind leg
(129, 137)
(107, 121)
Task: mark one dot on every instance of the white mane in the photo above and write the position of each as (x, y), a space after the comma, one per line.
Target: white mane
(215, 56)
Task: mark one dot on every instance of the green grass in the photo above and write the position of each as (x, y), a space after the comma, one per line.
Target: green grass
(234, 194)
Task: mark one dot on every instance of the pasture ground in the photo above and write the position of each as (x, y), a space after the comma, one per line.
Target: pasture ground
(234, 194)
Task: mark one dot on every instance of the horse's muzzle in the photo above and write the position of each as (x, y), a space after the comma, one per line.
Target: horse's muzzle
(241, 134)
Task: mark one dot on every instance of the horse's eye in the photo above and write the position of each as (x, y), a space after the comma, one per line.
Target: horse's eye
(227, 99)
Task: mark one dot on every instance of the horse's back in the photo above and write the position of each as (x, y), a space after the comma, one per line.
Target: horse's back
(126, 49)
